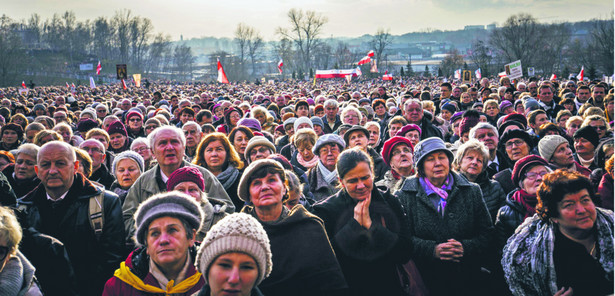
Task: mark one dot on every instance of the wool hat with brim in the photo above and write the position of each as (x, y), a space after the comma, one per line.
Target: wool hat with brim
(328, 139)
(250, 123)
(524, 164)
(353, 129)
(548, 145)
(588, 133)
(169, 204)
(519, 134)
(430, 145)
(258, 141)
(243, 190)
(236, 233)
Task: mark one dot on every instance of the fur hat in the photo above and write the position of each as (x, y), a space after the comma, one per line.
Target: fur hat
(517, 133)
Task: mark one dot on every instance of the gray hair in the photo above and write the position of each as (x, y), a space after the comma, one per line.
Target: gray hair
(483, 125)
(152, 136)
(373, 123)
(331, 103)
(98, 143)
(28, 149)
(412, 101)
(471, 145)
(140, 140)
(351, 108)
(192, 123)
(35, 126)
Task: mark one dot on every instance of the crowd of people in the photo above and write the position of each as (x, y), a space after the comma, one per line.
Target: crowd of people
(420, 187)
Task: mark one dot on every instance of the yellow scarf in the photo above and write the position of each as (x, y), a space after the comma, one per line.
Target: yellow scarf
(123, 273)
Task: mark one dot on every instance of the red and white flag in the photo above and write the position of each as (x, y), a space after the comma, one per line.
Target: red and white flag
(364, 60)
(67, 86)
(23, 84)
(72, 85)
(502, 74)
(280, 64)
(370, 54)
(221, 75)
(124, 84)
(581, 74)
(98, 68)
(387, 76)
(553, 77)
(478, 74)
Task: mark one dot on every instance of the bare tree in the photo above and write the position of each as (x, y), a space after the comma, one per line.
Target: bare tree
(242, 37)
(140, 34)
(601, 44)
(10, 51)
(451, 62)
(255, 43)
(380, 42)
(481, 56)
(305, 29)
(517, 39)
(121, 21)
(184, 61)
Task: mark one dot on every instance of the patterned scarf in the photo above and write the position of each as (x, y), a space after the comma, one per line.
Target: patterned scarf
(329, 176)
(228, 176)
(307, 164)
(442, 192)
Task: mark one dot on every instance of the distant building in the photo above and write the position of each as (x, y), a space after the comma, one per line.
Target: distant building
(491, 26)
(475, 27)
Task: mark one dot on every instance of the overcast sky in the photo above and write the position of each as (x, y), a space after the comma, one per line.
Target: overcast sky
(347, 18)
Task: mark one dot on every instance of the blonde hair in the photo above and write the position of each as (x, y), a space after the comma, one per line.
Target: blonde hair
(10, 230)
(304, 137)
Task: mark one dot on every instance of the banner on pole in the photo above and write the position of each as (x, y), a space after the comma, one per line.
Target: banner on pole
(514, 69)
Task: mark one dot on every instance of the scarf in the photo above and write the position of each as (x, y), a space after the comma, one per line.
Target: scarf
(307, 164)
(329, 176)
(228, 176)
(528, 201)
(442, 192)
(528, 256)
(124, 274)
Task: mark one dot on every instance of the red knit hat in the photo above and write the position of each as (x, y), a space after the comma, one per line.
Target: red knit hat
(390, 144)
(133, 113)
(186, 174)
(524, 164)
(117, 127)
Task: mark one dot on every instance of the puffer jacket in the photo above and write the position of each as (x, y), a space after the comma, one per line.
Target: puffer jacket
(493, 194)
(508, 218)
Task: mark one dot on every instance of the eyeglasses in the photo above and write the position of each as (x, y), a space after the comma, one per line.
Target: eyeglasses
(599, 127)
(92, 150)
(517, 143)
(3, 252)
(150, 127)
(134, 119)
(532, 176)
(139, 150)
(400, 151)
(327, 150)
(259, 150)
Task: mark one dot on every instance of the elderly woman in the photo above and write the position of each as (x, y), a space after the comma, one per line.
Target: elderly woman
(299, 244)
(150, 125)
(189, 180)
(118, 137)
(567, 248)
(16, 272)
(397, 153)
(141, 146)
(164, 261)
(323, 177)
(235, 257)
(216, 154)
(264, 118)
(45, 136)
(517, 144)
(258, 147)
(127, 167)
(11, 135)
(239, 137)
(66, 131)
(303, 158)
(471, 162)
(412, 132)
(22, 175)
(521, 203)
(357, 136)
(232, 116)
(367, 228)
(449, 222)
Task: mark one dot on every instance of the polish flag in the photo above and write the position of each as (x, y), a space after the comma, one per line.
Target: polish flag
(23, 84)
(67, 86)
(581, 74)
(98, 68)
(73, 85)
(221, 75)
(364, 60)
(280, 64)
(370, 54)
(553, 77)
(124, 84)
(387, 76)
(502, 74)
(478, 74)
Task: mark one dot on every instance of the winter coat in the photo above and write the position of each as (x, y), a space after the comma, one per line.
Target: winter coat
(465, 219)
(17, 277)
(319, 188)
(306, 264)
(380, 167)
(121, 192)
(214, 211)
(328, 129)
(504, 177)
(429, 130)
(93, 258)
(368, 257)
(7, 195)
(493, 194)
(21, 187)
(150, 183)
(103, 176)
(605, 190)
(508, 218)
(134, 273)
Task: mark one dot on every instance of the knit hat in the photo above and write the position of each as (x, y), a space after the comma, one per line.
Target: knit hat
(328, 139)
(548, 145)
(186, 174)
(280, 128)
(128, 154)
(390, 144)
(449, 107)
(289, 121)
(456, 116)
(408, 127)
(469, 120)
(505, 104)
(518, 117)
(85, 125)
(588, 133)
(318, 108)
(243, 188)
(519, 134)
(117, 127)
(88, 111)
(258, 141)
(427, 146)
(250, 123)
(525, 164)
(134, 113)
(168, 204)
(317, 121)
(310, 101)
(530, 105)
(237, 232)
(301, 120)
(355, 128)
(39, 107)
(14, 127)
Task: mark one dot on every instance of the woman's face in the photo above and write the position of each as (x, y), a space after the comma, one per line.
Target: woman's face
(577, 212)
(18, 120)
(234, 118)
(65, 133)
(260, 117)
(150, 128)
(306, 151)
(401, 157)
(466, 98)
(532, 178)
(472, 164)
(232, 274)
(24, 167)
(135, 123)
(351, 118)
(394, 128)
(374, 135)
(357, 139)
(446, 115)
(144, 151)
(413, 136)
(267, 191)
(359, 181)
(117, 141)
(436, 166)
(9, 136)
(127, 172)
(240, 142)
(191, 189)
(516, 149)
(167, 243)
(215, 155)
(328, 155)
(492, 110)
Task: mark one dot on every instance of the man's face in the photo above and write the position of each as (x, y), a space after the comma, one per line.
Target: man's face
(456, 92)
(331, 112)
(413, 112)
(380, 110)
(125, 105)
(598, 93)
(193, 136)
(168, 149)
(445, 92)
(55, 169)
(583, 95)
(95, 152)
(381, 91)
(546, 95)
(540, 120)
(279, 100)
(599, 126)
(532, 87)
(59, 116)
(473, 94)
(488, 137)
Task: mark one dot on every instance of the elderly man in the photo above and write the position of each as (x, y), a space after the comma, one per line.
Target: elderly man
(323, 177)
(168, 144)
(331, 119)
(413, 112)
(194, 134)
(61, 207)
(101, 111)
(487, 134)
(100, 173)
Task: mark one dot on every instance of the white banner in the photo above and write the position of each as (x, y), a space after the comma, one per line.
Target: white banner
(514, 69)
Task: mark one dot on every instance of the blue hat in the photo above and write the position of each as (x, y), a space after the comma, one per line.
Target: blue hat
(317, 121)
(429, 145)
(328, 139)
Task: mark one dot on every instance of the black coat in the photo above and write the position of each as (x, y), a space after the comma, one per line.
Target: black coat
(327, 129)
(103, 176)
(21, 187)
(93, 259)
(380, 167)
(7, 195)
(368, 257)
(508, 218)
(429, 130)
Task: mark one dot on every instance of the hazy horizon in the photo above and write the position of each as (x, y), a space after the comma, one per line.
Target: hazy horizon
(196, 19)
